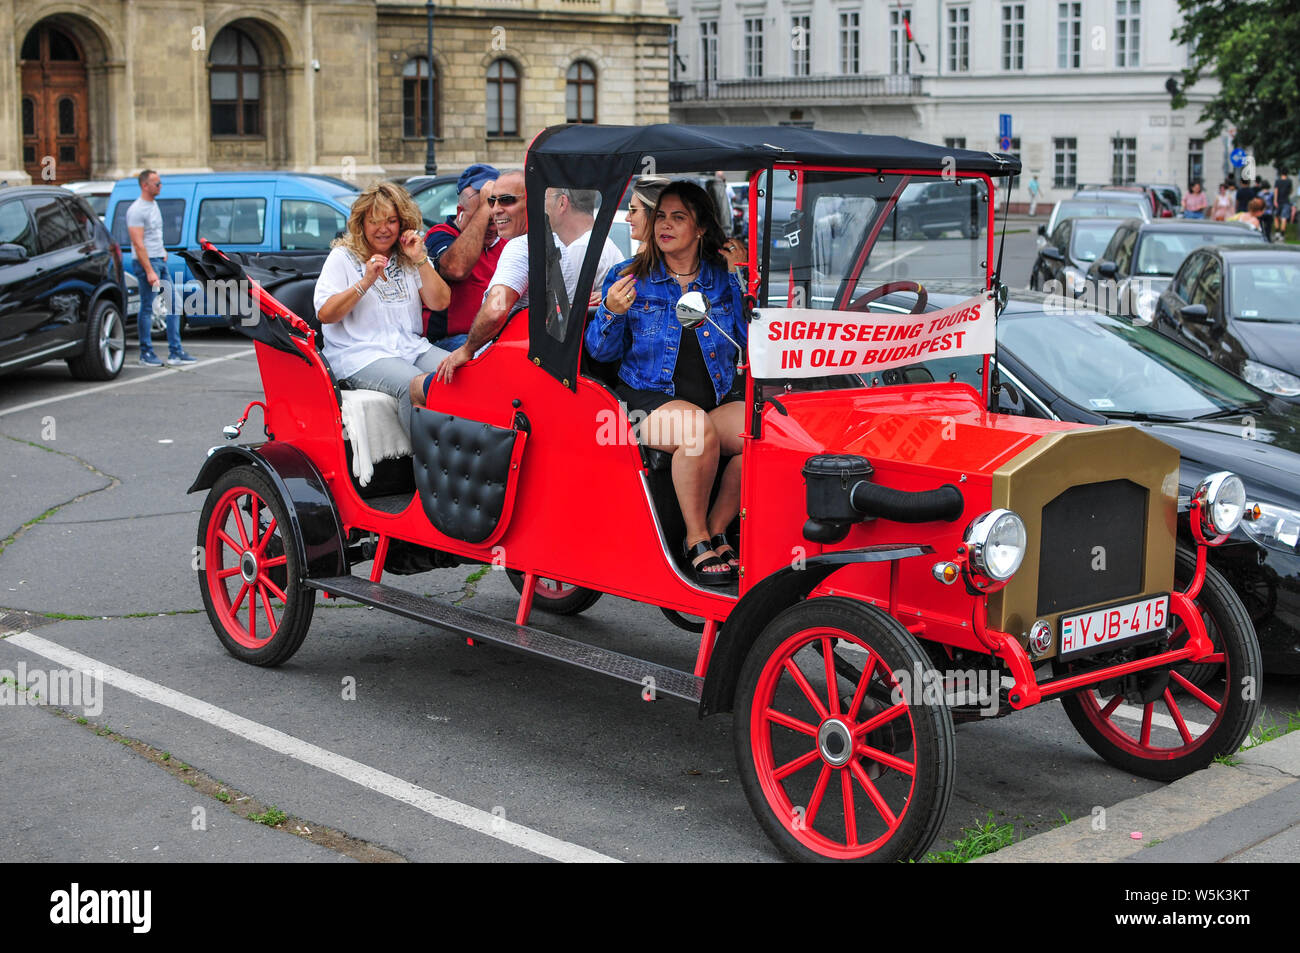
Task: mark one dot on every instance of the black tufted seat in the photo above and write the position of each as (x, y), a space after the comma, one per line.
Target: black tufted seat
(463, 471)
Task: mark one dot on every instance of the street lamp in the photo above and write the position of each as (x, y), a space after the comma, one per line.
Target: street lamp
(430, 162)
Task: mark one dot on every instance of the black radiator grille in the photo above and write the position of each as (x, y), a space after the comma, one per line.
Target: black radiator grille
(1093, 545)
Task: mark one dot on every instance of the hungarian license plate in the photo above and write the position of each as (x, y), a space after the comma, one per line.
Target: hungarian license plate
(1103, 628)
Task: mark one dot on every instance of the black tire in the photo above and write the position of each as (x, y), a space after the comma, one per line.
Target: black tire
(571, 600)
(1234, 687)
(970, 229)
(904, 228)
(812, 832)
(275, 568)
(105, 346)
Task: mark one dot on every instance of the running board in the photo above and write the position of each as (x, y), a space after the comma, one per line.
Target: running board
(476, 625)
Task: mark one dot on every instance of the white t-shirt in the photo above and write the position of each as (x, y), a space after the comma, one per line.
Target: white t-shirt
(147, 215)
(384, 323)
(512, 266)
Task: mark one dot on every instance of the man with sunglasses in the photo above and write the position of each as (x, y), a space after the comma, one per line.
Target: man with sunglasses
(465, 250)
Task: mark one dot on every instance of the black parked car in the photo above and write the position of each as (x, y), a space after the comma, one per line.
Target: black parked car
(1240, 307)
(1087, 367)
(928, 209)
(61, 289)
(1147, 255)
(1070, 251)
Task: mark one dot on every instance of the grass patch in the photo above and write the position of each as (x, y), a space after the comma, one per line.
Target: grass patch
(271, 817)
(478, 574)
(976, 842)
(1262, 733)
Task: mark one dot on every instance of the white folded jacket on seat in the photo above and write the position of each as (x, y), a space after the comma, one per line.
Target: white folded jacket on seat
(370, 421)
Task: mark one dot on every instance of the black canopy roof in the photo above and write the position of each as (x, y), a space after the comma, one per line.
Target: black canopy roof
(590, 155)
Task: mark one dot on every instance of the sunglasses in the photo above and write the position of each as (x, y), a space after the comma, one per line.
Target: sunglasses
(504, 200)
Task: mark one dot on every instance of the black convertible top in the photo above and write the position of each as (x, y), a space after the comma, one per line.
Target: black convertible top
(590, 155)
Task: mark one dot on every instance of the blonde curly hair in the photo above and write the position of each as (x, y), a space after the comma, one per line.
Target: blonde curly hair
(384, 198)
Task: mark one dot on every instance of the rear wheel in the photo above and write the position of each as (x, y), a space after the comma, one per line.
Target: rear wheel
(555, 597)
(905, 228)
(250, 577)
(1166, 723)
(840, 756)
(105, 348)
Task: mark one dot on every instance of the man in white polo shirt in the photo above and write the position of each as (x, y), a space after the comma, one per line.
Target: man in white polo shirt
(144, 225)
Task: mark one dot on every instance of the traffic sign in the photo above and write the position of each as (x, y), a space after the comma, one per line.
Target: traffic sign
(1237, 157)
(1004, 127)
(1005, 143)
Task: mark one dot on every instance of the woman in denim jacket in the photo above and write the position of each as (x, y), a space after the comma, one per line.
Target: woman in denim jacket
(683, 383)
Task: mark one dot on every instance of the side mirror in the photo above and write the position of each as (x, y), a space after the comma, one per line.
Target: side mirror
(692, 309)
(1052, 252)
(1194, 314)
(1108, 269)
(1042, 230)
(12, 254)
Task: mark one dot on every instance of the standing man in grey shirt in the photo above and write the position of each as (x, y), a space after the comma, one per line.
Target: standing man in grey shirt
(145, 226)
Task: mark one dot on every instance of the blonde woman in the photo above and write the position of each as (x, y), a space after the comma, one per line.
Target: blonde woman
(369, 294)
(644, 198)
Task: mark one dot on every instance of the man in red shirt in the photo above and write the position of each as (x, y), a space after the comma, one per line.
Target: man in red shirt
(464, 250)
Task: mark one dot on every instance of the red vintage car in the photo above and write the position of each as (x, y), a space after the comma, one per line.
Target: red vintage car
(908, 558)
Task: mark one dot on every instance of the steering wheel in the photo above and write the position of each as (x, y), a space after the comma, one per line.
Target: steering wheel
(889, 287)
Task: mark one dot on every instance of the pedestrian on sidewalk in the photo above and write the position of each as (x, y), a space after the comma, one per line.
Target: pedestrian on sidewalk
(1194, 202)
(144, 225)
(1282, 198)
(1226, 203)
(1033, 195)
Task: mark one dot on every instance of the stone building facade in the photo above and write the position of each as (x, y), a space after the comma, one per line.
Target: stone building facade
(102, 89)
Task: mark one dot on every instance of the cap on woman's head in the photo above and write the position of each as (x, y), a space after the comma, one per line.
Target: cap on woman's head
(648, 187)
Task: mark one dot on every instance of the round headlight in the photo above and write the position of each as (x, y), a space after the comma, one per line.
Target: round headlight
(1223, 502)
(997, 544)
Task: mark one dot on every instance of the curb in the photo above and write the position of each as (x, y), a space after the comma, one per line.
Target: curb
(1214, 814)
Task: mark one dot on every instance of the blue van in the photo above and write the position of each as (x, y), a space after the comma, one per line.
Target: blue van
(237, 211)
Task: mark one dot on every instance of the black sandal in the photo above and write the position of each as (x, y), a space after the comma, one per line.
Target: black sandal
(732, 561)
(698, 568)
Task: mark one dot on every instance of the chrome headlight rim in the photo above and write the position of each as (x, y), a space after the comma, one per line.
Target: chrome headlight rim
(1222, 489)
(978, 534)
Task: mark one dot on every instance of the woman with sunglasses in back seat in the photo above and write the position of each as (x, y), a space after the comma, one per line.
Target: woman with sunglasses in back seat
(369, 293)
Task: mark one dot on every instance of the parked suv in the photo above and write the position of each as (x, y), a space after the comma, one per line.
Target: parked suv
(240, 211)
(61, 291)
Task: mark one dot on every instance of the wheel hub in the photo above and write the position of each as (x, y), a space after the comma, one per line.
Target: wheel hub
(248, 567)
(835, 742)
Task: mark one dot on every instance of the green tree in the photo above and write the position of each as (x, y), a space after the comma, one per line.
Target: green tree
(1250, 46)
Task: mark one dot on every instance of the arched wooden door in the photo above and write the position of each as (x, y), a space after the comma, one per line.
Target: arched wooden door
(55, 100)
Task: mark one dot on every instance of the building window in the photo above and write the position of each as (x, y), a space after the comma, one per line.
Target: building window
(958, 39)
(580, 93)
(67, 117)
(850, 44)
(1128, 32)
(801, 45)
(1013, 36)
(954, 142)
(502, 99)
(754, 47)
(29, 116)
(1065, 163)
(234, 85)
(415, 102)
(900, 47)
(709, 50)
(674, 60)
(1123, 161)
(1195, 161)
(1069, 35)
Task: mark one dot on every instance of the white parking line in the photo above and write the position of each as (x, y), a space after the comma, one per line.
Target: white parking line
(1164, 721)
(437, 805)
(152, 375)
(889, 261)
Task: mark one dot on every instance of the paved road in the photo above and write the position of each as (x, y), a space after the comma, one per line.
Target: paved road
(447, 752)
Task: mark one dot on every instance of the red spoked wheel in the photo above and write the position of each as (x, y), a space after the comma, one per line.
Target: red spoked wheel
(555, 597)
(250, 579)
(840, 755)
(1166, 723)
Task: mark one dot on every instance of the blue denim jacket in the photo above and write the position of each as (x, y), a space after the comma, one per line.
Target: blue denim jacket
(646, 339)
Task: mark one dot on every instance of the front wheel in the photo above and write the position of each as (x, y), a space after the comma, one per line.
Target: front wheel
(105, 347)
(841, 756)
(249, 576)
(555, 597)
(1165, 723)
